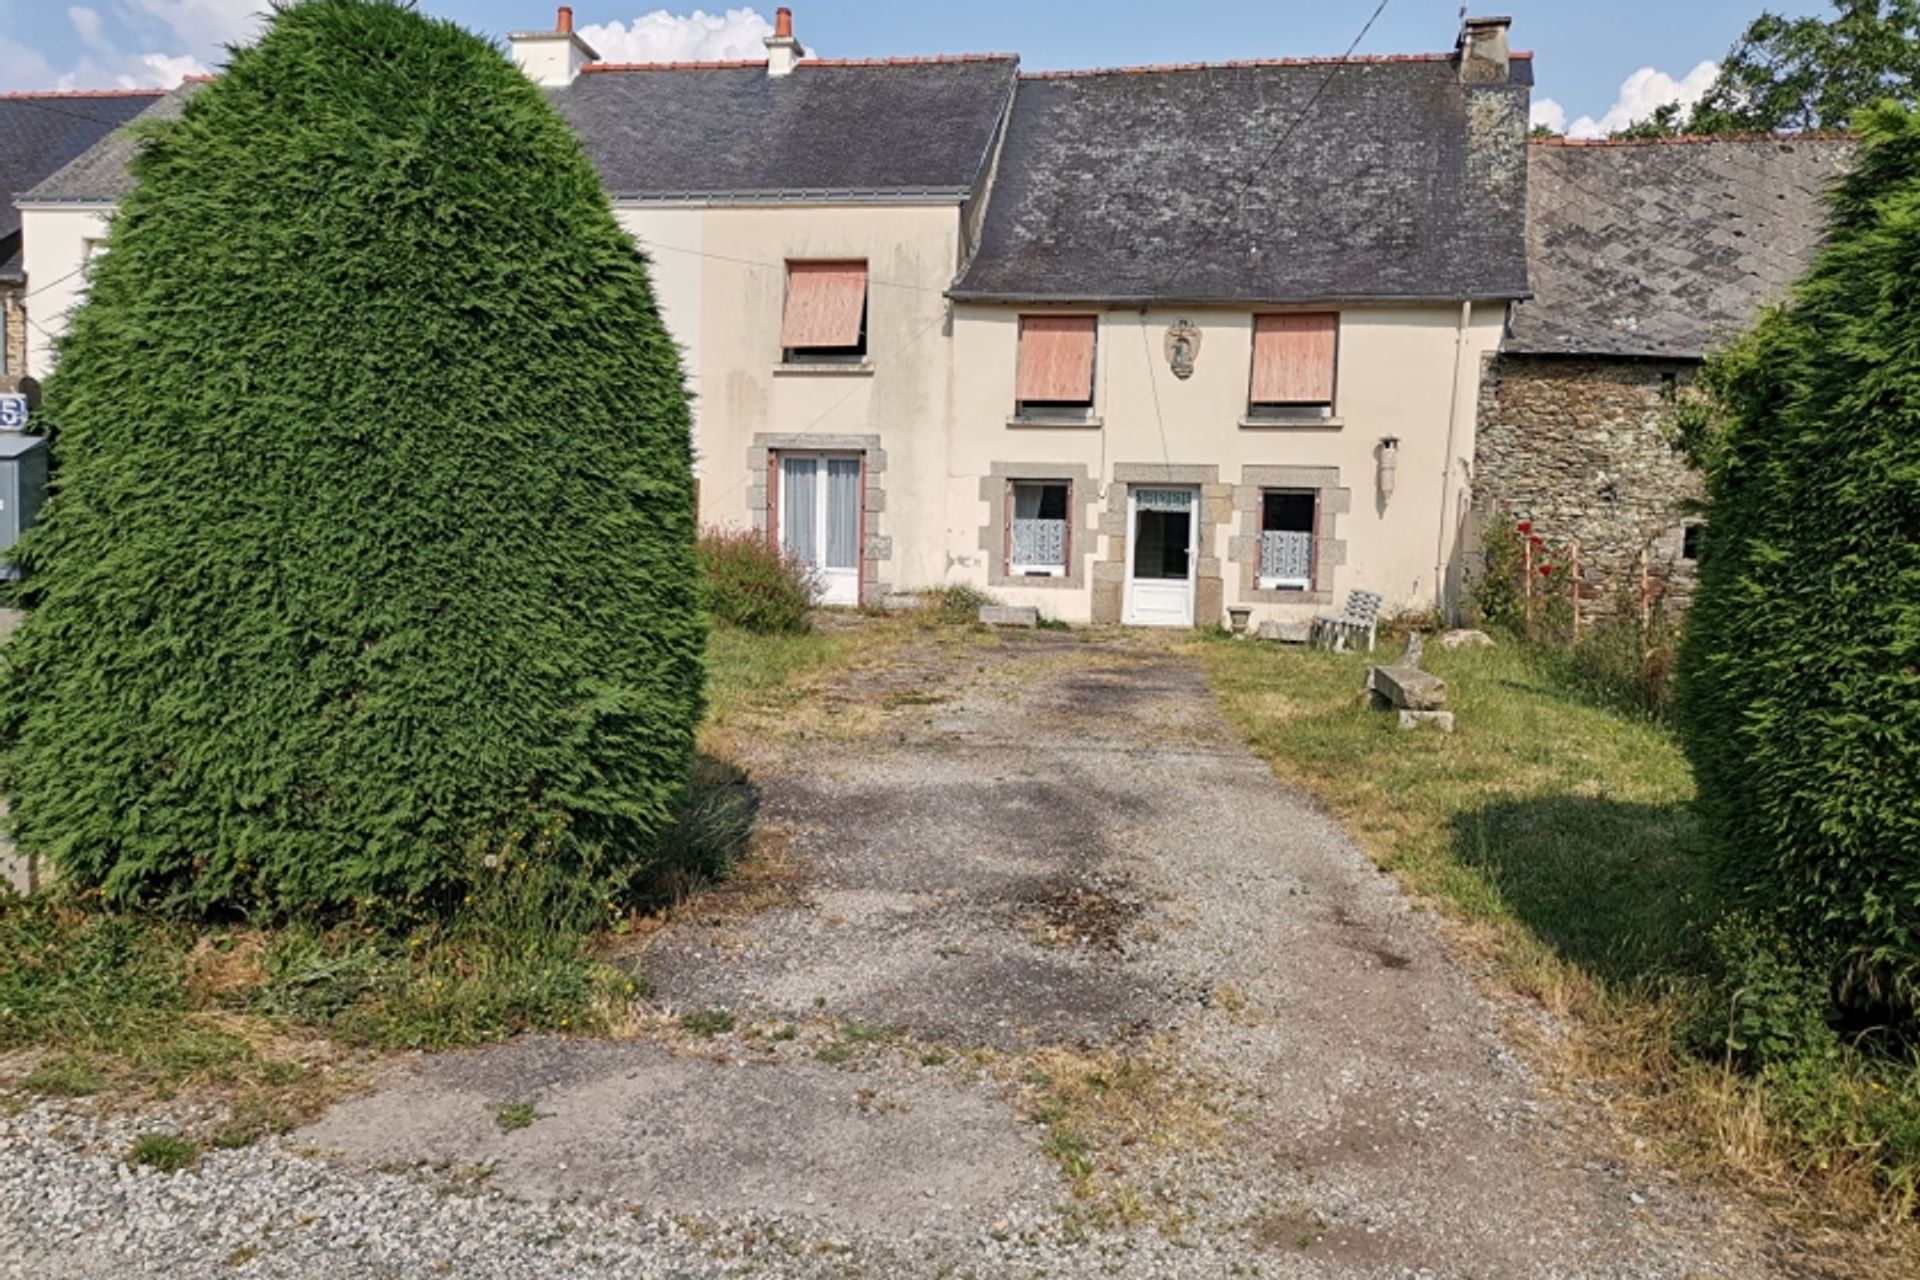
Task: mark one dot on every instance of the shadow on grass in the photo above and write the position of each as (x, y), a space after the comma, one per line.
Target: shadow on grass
(1617, 888)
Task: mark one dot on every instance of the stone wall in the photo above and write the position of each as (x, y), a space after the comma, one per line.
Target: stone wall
(13, 318)
(1577, 446)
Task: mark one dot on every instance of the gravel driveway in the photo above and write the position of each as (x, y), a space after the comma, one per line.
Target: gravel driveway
(1015, 862)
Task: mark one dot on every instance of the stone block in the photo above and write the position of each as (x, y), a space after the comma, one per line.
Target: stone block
(1466, 640)
(1003, 615)
(1407, 688)
(1286, 632)
(1441, 720)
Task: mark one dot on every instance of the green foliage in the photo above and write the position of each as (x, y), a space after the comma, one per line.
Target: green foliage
(1771, 1008)
(514, 1116)
(86, 981)
(162, 1151)
(67, 1076)
(1800, 672)
(372, 540)
(1797, 74)
(755, 586)
(956, 604)
(707, 1023)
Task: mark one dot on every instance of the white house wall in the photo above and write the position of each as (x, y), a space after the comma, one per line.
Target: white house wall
(55, 240)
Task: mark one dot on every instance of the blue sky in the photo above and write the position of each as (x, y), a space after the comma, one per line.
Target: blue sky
(1623, 56)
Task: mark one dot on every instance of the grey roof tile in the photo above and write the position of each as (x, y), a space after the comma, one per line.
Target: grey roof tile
(1665, 248)
(902, 126)
(1400, 182)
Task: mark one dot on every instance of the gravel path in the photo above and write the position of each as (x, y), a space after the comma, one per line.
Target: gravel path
(1033, 852)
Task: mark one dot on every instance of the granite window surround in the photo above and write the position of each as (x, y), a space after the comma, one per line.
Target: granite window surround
(1084, 530)
(1329, 551)
(876, 547)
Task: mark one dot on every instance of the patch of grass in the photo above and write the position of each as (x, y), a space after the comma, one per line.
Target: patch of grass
(68, 1076)
(955, 604)
(707, 1023)
(163, 1151)
(1560, 832)
(858, 1032)
(935, 1058)
(746, 672)
(835, 1054)
(514, 1116)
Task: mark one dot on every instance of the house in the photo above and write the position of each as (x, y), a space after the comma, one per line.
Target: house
(1132, 346)
(1645, 255)
(39, 134)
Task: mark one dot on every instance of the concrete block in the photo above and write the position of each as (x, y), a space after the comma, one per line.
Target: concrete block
(1002, 615)
(1441, 720)
(1407, 688)
(1286, 632)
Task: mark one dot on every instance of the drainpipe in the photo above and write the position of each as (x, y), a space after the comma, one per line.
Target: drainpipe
(1446, 463)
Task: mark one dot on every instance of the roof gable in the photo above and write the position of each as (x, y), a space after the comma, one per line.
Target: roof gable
(40, 133)
(1392, 180)
(1664, 247)
(908, 127)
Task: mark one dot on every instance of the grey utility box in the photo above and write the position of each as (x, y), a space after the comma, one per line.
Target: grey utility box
(23, 487)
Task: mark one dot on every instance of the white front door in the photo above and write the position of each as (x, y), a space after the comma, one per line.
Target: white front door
(1161, 555)
(820, 520)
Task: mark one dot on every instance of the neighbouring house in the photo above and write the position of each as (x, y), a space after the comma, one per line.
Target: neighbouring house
(1136, 345)
(1644, 256)
(40, 133)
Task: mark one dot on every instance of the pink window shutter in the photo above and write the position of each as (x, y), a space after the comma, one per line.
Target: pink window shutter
(824, 303)
(1056, 358)
(1293, 358)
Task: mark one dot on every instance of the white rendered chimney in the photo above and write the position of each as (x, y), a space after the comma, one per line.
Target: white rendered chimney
(783, 51)
(552, 59)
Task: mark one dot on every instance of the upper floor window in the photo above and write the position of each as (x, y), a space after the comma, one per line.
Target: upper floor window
(826, 316)
(1294, 358)
(1055, 375)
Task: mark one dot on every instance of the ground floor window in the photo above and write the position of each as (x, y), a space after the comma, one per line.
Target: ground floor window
(818, 518)
(1039, 541)
(1289, 523)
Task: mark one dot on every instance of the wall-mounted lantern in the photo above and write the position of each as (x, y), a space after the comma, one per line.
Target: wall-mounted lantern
(1389, 465)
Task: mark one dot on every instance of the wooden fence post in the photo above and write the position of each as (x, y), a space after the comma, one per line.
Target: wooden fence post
(1573, 571)
(1526, 576)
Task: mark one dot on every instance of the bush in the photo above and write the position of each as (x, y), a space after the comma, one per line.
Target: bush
(372, 539)
(1800, 695)
(755, 586)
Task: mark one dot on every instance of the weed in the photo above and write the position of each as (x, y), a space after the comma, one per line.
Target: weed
(162, 1151)
(935, 1058)
(858, 1032)
(785, 1031)
(514, 1116)
(834, 1054)
(68, 1076)
(707, 1023)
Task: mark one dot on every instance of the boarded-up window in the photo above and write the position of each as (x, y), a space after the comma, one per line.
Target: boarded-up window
(826, 316)
(1056, 362)
(1293, 360)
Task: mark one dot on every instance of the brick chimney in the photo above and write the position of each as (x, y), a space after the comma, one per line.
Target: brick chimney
(783, 51)
(552, 59)
(1484, 54)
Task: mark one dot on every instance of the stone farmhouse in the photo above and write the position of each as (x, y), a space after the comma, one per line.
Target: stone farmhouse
(1143, 345)
(1643, 256)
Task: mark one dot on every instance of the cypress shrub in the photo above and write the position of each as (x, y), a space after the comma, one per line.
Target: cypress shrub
(371, 547)
(1800, 673)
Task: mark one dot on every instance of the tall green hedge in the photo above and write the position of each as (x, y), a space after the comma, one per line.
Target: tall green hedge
(1800, 681)
(371, 544)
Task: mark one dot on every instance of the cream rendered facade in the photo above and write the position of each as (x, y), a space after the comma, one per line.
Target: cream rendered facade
(1406, 372)
(56, 239)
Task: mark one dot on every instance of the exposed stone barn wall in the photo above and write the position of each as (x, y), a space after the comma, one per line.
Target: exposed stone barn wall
(13, 320)
(1577, 446)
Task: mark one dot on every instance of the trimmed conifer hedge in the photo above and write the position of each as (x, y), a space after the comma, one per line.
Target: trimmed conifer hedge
(371, 547)
(1800, 680)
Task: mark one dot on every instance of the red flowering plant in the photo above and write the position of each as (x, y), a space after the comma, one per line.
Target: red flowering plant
(1523, 586)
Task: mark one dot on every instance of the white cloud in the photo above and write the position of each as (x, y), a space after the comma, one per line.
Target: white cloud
(661, 36)
(203, 26)
(1643, 93)
(136, 44)
(1549, 114)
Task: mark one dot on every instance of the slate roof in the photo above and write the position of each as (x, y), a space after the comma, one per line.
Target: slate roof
(918, 127)
(1400, 182)
(39, 133)
(1662, 248)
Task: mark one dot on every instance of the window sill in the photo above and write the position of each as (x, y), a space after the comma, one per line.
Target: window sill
(828, 369)
(1016, 576)
(1053, 420)
(1292, 424)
